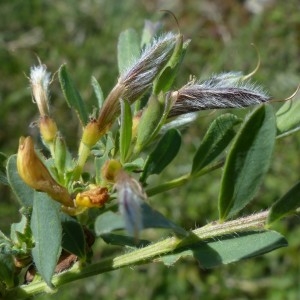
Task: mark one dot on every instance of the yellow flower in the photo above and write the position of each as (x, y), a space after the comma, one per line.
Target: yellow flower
(95, 197)
(36, 175)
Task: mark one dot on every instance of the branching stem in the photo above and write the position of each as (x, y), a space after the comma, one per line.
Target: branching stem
(144, 255)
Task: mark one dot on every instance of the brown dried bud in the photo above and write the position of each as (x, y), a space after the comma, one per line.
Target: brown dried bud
(36, 175)
(95, 197)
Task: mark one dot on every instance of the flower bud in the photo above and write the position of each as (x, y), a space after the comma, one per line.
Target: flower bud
(36, 175)
(40, 80)
(61, 152)
(135, 123)
(91, 134)
(110, 170)
(95, 197)
(48, 129)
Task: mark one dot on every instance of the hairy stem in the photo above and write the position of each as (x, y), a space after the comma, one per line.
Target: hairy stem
(144, 255)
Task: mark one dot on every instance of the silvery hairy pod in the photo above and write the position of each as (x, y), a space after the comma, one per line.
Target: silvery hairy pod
(136, 80)
(222, 91)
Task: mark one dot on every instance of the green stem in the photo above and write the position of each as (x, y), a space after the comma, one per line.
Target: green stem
(83, 154)
(168, 185)
(182, 180)
(144, 255)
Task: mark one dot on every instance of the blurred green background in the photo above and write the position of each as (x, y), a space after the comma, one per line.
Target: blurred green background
(83, 34)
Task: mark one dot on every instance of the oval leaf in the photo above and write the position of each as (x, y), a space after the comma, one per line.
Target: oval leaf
(136, 164)
(230, 248)
(23, 192)
(20, 233)
(165, 151)
(123, 240)
(165, 80)
(73, 239)
(125, 130)
(149, 31)
(218, 136)
(234, 248)
(149, 122)
(151, 218)
(154, 219)
(128, 48)
(72, 95)
(108, 222)
(47, 233)
(286, 204)
(247, 162)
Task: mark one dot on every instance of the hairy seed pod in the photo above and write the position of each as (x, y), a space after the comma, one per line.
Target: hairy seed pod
(218, 92)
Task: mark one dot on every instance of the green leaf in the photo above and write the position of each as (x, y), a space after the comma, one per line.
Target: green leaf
(234, 248)
(151, 218)
(136, 164)
(125, 130)
(108, 222)
(218, 136)
(149, 122)
(47, 233)
(149, 31)
(73, 239)
(7, 270)
(98, 92)
(72, 95)
(230, 248)
(247, 162)
(165, 151)
(123, 240)
(166, 78)
(286, 204)
(154, 219)
(100, 160)
(6, 244)
(20, 233)
(288, 117)
(23, 192)
(128, 48)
